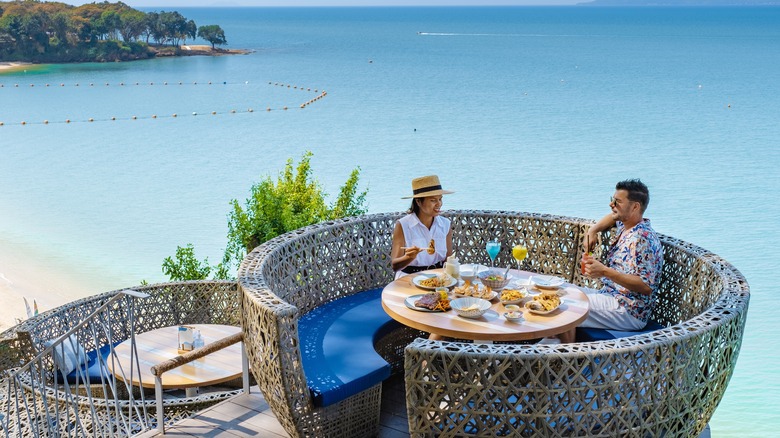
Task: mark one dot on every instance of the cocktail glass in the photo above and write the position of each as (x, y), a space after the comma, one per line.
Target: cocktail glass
(492, 248)
(519, 252)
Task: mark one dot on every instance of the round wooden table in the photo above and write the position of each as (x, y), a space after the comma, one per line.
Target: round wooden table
(156, 346)
(492, 326)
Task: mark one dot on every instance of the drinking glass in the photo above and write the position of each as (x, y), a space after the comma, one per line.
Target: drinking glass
(492, 248)
(519, 252)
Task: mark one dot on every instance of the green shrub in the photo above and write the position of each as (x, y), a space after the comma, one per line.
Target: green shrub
(295, 200)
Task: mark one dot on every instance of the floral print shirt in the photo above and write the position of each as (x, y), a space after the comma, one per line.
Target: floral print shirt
(636, 251)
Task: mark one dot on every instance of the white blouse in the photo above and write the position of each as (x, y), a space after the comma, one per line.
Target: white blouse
(417, 234)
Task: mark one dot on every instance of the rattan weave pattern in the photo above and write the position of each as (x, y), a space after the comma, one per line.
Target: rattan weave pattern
(666, 382)
(169, 304)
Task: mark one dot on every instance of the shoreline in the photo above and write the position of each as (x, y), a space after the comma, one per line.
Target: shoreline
(6, 66)
(39, 279)
(159, 52)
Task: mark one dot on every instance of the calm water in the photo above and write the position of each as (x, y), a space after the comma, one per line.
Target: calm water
(532, 109)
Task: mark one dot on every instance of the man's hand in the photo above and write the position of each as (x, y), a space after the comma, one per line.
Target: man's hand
(593, 267)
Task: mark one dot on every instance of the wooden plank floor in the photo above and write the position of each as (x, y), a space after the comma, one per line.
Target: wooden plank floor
(249, 415)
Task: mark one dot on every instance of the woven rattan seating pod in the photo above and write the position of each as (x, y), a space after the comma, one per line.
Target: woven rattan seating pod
(168, 304)
(664, 383)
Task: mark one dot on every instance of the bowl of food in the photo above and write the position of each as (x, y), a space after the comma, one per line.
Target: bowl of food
(493, 279)
(513, 296)
(470, 307)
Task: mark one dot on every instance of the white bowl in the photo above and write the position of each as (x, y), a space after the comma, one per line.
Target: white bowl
(513, 316)
(497, 283)
(468, 275)
(470, 307)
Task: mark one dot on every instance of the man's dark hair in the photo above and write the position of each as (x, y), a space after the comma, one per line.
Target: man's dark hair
(637, 191)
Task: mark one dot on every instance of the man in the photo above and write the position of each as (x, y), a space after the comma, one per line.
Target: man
(633, 264)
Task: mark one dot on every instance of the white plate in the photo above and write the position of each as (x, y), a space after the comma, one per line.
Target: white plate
(518, 319)
(493, 296)
(543, 312)
(416, 280)
(517, 301)
(546, 282)
(409, 301)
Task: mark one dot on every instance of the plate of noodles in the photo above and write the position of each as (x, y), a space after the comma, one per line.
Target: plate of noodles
(432, 281)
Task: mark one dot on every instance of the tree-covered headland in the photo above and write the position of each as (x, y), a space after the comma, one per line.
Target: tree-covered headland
(36, 31)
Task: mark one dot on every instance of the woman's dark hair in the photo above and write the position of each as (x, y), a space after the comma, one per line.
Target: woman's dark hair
(415, 208)
(637, 191)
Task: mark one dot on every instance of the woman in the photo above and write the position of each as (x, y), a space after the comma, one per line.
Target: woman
(422, 239)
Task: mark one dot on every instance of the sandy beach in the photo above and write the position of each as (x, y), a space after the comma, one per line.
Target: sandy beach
(24, 274)
(13, 66)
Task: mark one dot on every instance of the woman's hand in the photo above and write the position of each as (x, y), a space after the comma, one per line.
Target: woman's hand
(411, 252)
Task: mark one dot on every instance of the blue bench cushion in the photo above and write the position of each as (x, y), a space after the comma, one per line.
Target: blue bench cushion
(337, 346)
(586, 334)
(92, 372)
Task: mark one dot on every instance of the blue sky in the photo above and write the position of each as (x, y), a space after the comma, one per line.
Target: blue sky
(190, 3)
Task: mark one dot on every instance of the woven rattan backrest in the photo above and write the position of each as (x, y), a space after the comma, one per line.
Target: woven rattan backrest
(191, 302)
(324, 262)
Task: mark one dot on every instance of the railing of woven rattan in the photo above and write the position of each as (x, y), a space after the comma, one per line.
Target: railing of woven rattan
(96, 406)
(663, 383)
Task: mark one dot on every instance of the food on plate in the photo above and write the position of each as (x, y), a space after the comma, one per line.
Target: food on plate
(434, 301)
(544, 302)
(431, 247)
(494, 277)
(437, 281)
(474, 290)
(513, 294)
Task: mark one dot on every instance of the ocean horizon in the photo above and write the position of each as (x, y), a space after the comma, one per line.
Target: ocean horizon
(539, 109)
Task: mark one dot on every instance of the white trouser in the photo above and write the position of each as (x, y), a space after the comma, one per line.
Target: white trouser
(605, 312)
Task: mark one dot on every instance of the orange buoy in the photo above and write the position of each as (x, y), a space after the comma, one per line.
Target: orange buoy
(268, 109)
(134, 117)
(45, 122)
(1, 123)
(174, 114)
(24, 123)
(62, 85)
(67, 120)
(154, 116)
(91, 119)
(113, 118)
(285, 108)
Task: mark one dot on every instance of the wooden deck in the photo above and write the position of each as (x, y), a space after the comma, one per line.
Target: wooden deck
(249, 415)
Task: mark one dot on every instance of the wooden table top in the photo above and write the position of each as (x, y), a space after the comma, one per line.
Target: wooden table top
(159, 345)
(492, 326)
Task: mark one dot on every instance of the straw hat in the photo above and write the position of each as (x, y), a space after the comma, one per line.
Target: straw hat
(426, 186)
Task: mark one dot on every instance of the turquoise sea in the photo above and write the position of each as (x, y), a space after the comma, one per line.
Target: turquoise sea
(528, 108)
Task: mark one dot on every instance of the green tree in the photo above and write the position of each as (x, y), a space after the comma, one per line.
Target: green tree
(295, 200)
(186, 267)
(213, 34)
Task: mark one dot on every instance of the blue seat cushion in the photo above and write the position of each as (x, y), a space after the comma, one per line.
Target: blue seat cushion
(586, 334)
(93, 372)
(337, 346)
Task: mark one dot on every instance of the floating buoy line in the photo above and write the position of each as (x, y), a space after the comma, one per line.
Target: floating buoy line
(320, 95)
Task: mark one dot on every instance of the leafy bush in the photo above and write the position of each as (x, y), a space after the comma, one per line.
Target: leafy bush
(293, 201)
